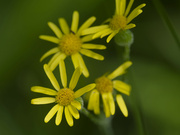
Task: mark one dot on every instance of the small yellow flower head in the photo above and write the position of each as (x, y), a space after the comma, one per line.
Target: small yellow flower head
(65, 98)
(120, 21)
(104, 84)
(104, 87)
(71, 43)
(117, 22)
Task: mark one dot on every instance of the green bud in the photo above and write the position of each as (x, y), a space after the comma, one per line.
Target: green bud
(124, 38)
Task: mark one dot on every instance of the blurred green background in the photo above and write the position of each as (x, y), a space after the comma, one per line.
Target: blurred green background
(154, 76)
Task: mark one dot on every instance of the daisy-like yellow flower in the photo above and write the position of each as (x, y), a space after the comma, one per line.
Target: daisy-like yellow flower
(65, 98)
(70, 43)
(105, 86)
(120, 21)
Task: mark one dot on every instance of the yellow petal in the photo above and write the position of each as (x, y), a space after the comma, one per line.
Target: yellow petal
(86, 24)
(111, 103)
(55, 29)
(106, 104)
(129, 7)
(59, 115)
(107, 32)
(82, 65)
(75, 61)
(135, 12)
(74, 78)
(130, 26)
(51, 113)
(94, 29)
(122, 87)
(54, 57)
(100, 33)
(122, 105)
(43, 100)
(63, 75)
(133, 15)
(91, 100)
(49, 38)
(55, 62)
(122, 7)
(75, 21)
(68, 116)
(51, 77)
(87, 38)
(94, 46)
(96, 103)
(120, 70)
(50, 52)
(139, 7)
(83, 90)
(111, 36)
(76, 104)
(117, 6)
(91, 54)
(44, 90)
(64, 26)
(73, 111)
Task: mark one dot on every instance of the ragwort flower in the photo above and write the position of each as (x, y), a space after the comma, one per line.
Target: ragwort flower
(105, 86)
(70, 43)
(120, 21)
(65, 98)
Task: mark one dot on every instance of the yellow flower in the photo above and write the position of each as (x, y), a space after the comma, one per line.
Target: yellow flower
(104, 87)
(70, 43)
(65, 98)
(120, 21)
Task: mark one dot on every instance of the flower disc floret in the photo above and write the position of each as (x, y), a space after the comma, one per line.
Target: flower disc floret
(118, 22)
(70, 44)
(65, 96)
(104, 85)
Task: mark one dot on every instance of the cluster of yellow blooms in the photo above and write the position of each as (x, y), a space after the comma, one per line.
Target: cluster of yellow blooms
(74, 41)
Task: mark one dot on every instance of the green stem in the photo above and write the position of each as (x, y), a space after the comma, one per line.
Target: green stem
(103, 123)
(126, 55)
(133, 98)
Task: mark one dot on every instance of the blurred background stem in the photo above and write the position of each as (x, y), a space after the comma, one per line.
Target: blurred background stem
(164, 16)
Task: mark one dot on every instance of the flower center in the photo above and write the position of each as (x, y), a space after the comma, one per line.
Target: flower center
(65, 96)
(103, 84)
(70, 44)
(118, 22)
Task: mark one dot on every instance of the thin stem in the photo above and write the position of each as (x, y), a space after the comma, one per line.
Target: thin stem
(103, 123)
(136, 108)
(126, 55)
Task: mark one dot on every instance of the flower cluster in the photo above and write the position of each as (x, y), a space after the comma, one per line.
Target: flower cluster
(75, 41)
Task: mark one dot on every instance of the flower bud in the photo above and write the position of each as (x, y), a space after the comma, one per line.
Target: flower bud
(124, 38)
